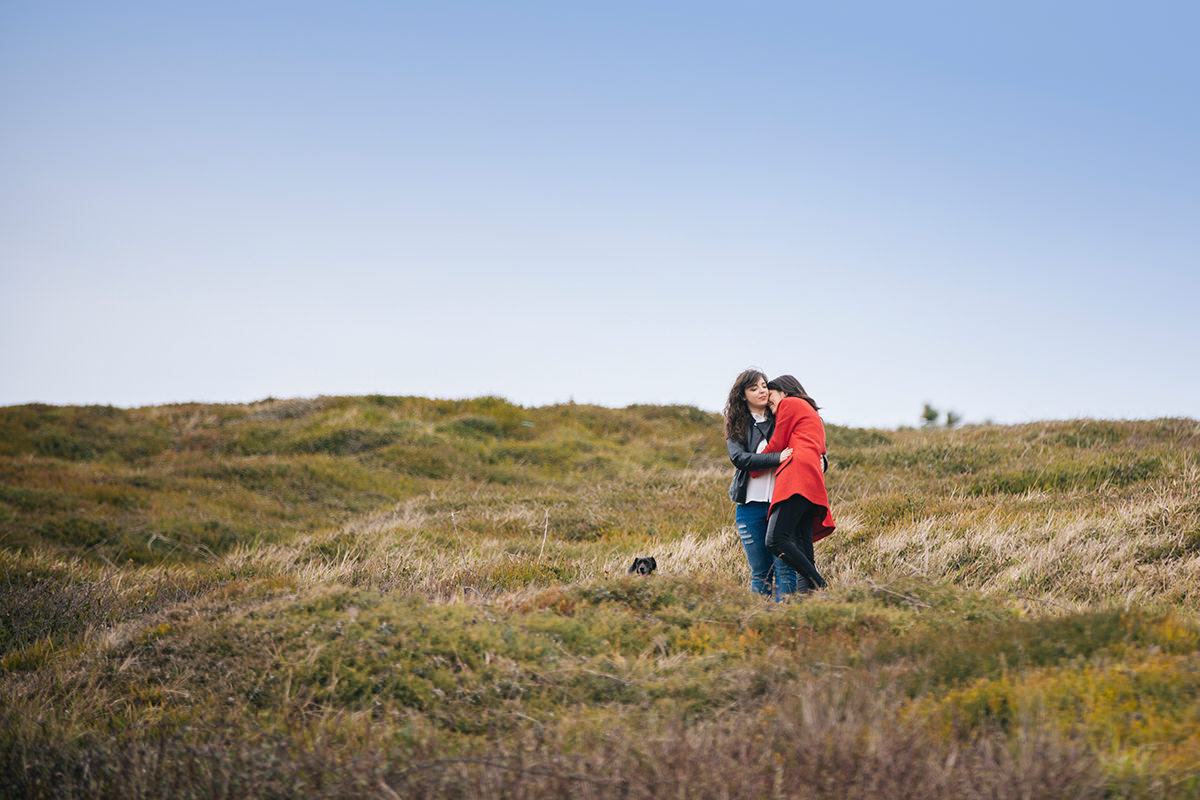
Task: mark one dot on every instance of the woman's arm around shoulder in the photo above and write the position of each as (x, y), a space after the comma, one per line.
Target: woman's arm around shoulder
(785, 420)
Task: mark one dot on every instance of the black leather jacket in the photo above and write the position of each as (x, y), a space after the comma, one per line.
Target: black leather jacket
(747, 460)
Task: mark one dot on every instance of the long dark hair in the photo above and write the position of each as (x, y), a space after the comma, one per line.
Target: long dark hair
(737, 411)
(792, 388)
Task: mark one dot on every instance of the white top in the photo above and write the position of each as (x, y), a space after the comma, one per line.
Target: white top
(758, 490)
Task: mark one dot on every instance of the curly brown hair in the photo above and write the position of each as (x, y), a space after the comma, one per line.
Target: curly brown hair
(737, 411)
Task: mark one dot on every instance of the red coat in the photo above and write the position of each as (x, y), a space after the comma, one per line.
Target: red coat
(798, 426)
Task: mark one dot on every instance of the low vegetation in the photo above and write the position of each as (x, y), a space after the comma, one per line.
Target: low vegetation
(403, 597)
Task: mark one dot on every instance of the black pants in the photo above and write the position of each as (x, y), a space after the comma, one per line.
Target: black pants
(789, 536)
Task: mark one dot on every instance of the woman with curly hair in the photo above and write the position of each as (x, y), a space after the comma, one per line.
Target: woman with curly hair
(748, 426)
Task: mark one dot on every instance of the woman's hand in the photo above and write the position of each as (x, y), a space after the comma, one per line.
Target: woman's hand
(785, 454)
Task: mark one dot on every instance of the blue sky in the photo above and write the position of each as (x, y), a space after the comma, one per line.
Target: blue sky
(991, 207)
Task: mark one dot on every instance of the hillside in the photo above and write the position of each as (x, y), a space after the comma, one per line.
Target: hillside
(390, 596)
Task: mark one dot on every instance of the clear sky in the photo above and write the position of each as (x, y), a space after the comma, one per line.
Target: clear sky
(993, 207)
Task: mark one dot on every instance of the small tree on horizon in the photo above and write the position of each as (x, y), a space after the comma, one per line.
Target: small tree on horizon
(929, 415)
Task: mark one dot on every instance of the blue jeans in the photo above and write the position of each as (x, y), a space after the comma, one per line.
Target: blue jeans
(768, 574)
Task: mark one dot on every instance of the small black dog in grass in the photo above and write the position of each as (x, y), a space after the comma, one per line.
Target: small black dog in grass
(643, 565)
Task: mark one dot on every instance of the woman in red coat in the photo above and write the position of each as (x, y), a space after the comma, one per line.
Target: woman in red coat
(799, 512)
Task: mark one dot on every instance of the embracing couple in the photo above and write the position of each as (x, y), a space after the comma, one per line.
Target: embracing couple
(776, 441)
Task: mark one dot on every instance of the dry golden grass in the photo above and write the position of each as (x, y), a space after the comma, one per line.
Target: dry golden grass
(355, 597)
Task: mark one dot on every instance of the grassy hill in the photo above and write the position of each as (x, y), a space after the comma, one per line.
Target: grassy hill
(396, 596)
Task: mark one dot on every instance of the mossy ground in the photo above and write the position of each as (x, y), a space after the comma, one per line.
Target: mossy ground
(381, 596)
